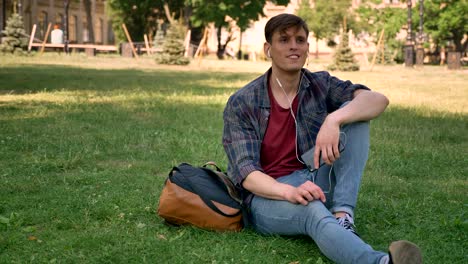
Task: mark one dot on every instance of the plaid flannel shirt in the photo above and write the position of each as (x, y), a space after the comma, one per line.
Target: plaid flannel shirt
(247, 111)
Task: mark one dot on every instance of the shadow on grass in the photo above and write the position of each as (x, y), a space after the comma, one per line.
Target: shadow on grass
(40, 78)
(415, 143)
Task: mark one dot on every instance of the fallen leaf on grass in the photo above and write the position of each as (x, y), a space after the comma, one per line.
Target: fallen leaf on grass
(32, 238)
(29, 229)
(181, 234)
(162, 237)
(319, 261)
(4, 220)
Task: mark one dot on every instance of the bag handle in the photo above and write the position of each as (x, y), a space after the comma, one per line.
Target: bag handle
(212, 163)
(225, 179)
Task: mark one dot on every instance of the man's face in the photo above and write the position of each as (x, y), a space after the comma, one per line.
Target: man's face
(289, 49)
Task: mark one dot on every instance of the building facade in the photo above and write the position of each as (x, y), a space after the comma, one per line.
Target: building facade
(43, 12)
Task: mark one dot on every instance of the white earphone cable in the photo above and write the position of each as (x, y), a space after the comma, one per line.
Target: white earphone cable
(295, 123)
(292, 112)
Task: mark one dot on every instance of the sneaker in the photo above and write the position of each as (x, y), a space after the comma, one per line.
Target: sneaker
(348, 223)
(404, 252)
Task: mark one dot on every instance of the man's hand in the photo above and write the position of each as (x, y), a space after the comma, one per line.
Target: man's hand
(265, 186)
(327, 141)
(304, 194)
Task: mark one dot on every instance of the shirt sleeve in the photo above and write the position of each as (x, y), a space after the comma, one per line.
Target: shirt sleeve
(241, 140)
(340, 91)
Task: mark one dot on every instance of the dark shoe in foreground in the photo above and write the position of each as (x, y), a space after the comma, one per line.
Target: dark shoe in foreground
(404, 252)
(348, 223)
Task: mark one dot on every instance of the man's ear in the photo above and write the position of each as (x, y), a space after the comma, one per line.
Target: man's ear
(266, 49)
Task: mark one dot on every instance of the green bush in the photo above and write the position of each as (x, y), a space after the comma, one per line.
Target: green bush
(14, 40)
(173, 48)
(343, 60)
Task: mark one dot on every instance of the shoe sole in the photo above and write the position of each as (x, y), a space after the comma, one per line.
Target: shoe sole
(405, 252)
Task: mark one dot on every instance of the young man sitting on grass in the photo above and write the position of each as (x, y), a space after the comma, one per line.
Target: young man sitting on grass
(275, 119)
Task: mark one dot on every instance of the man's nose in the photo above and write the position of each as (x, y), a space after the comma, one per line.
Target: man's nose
(294, 45)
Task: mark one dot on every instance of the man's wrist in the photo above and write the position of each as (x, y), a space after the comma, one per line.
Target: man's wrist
(334, 119)
(285, 190)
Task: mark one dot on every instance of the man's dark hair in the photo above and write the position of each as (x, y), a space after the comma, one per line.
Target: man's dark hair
(281, 23)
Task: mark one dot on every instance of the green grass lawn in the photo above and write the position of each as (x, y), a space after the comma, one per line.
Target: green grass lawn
(86, 144)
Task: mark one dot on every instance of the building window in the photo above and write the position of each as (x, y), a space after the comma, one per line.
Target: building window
(59, 19)
(43, 22)
(85, 32)
(110, 33)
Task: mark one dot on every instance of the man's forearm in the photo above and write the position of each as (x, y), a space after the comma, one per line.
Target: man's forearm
(365, 106)
(263, 185)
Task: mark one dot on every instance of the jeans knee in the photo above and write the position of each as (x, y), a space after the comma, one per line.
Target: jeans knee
(361, 126)
(316, 216)
(358, 132)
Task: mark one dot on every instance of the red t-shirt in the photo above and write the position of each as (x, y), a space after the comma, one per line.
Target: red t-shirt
(278, 152)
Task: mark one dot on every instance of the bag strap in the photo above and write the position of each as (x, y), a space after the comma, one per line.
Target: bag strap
(197, 189)
(207, 201)
(232, 191)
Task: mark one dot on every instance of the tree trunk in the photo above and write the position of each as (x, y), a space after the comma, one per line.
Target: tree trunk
(89, 18)
(458, 43)
(2, 16)
(442, 55)
(464, 48)
(66, 6)
(220, 51)
(187, 14)
(239, 53)
(316, 48)
(170, 17)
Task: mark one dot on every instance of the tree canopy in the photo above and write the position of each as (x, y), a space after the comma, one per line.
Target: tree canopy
(140, 15)
(242, 11)
(215, 11)
(446, 20)
(389, 20)
(325, 19)
(374, 20)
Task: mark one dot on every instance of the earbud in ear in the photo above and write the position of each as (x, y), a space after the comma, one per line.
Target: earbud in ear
(268, 53)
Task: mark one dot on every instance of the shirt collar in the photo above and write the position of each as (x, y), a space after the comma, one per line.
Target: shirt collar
(264, 98)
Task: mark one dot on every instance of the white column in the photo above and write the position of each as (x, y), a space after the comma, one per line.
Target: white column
(79, 21)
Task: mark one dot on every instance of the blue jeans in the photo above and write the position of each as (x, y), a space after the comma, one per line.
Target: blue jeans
(341, 184)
